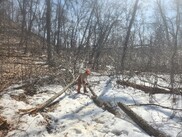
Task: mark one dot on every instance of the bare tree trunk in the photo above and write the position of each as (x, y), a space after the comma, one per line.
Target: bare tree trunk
(175, 48)
(103, 37)
(175, 37)
(127, 37)
(60, 11)
(30, 24)
(23, 24)
(48, 25)
(83, 37)
(164, 21)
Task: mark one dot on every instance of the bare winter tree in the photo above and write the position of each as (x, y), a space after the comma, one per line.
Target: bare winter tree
(125, 46)
(104, 24)
(48, 26)
(22, 5)
(60, 21)
(88, 30)
(172, 38)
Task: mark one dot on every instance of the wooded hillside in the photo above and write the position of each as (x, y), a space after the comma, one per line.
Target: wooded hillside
(135, 44)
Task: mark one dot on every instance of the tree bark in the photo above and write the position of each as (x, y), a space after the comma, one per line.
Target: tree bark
(128, 36)
(141, 122)
(48, 26)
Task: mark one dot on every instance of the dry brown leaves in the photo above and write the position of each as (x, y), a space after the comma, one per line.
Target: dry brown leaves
(15, 69)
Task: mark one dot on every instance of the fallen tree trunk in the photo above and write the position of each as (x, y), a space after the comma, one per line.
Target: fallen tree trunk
(141, 122)
(146, 89)
(138, 120)
(48, 102)
(104, 105)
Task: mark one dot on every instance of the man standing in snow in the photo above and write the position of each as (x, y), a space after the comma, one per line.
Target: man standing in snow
(82, 80)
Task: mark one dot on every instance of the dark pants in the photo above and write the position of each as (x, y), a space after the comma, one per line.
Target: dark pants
(80, 83)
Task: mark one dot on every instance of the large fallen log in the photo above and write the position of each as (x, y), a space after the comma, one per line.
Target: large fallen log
(138, 120)
(104, 105)
(141, 122)
(146, 89)
(48, 102)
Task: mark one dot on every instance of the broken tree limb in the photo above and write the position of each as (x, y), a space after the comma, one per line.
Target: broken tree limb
(141, 122)
(48, 102)
(146, 89)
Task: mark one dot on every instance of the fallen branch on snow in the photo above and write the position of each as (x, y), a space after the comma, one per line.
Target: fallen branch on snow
(48, 102)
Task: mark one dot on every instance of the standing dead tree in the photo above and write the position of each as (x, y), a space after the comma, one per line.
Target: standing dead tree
(48, 26)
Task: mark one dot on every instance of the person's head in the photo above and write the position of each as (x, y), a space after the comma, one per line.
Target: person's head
(87, 71)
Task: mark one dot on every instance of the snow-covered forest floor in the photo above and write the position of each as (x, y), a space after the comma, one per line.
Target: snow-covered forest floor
(77, 116)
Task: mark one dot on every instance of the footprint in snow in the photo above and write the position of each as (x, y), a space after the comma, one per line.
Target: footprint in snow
(78, 131)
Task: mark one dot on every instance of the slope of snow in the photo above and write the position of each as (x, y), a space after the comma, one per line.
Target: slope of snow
(77, 116)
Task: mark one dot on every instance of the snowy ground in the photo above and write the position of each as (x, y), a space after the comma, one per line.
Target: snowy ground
(77, 116)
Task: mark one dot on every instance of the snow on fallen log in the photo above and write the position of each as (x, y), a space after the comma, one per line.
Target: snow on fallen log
(146, 89)
(141, 122)
(102, 104)
(138, 120)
